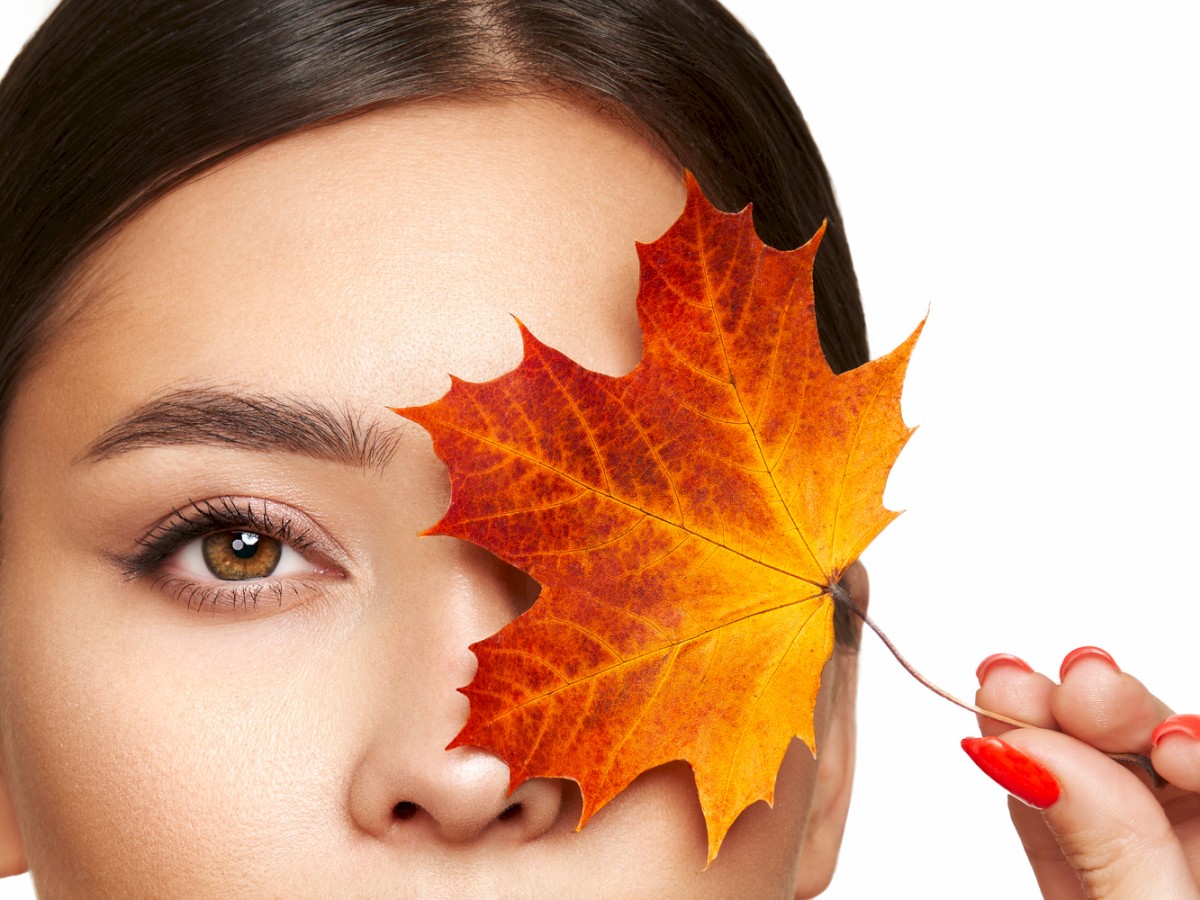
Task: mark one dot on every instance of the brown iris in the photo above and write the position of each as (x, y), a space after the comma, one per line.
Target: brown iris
(239, 555)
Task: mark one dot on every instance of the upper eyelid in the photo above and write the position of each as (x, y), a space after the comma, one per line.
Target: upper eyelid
(218, 513)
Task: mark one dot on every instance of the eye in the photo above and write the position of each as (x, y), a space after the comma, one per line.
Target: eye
(238, 555)
(231, 552)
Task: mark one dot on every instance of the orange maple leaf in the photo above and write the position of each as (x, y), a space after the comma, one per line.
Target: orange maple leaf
(687, 522)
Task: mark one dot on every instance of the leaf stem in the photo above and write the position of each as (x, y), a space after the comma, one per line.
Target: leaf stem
(841, 595)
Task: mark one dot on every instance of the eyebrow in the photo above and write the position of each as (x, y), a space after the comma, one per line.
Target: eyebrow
(248, 421)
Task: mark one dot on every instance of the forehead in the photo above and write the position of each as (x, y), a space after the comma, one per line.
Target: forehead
(373, 256)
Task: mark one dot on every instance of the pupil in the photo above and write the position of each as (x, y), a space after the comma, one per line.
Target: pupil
(245, 545)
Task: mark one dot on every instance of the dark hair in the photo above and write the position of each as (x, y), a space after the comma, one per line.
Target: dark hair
(111, 104)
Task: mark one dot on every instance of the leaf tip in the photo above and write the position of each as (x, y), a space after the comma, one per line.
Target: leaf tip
(714, 847)
(530, 345)
(434, 530)
(911, 340)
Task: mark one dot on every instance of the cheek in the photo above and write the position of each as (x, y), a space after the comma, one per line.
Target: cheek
(766, 841)
(134, 759)
(657, 831)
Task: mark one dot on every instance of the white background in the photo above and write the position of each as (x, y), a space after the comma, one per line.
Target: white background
(1028, 173)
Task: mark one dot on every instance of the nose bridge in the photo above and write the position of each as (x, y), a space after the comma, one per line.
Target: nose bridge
(407, 787)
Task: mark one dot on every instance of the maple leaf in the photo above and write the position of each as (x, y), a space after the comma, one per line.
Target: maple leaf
(687, 522)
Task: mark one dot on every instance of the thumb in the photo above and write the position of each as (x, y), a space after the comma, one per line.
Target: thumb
(1099, 826)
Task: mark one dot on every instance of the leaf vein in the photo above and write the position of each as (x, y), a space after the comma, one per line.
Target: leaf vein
(631, 660)
(741, 404)
(668, 665)
(582, 421)
(837, 510)
(662, 466)
(487, 440)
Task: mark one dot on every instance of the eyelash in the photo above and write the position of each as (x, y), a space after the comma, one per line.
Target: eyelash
(204, 517)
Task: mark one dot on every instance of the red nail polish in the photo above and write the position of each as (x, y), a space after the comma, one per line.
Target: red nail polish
(1183, 724)
(1017, 773)
(998, 659)
(1085, 653)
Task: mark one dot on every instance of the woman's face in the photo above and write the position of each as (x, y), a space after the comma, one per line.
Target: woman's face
(228, 369)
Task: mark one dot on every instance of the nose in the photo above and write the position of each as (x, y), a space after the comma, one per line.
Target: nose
(406, 786)
(454, 797)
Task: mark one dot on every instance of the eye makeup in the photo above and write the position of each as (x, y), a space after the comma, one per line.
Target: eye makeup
(231, 552)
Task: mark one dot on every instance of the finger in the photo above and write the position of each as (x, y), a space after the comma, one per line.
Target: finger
(1055, 877)
(1104, 707)
(1008, 685)
(1176, 751)
(1176, 757)
(1108, 828)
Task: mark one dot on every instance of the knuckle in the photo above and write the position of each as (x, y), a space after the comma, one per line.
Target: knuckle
(1112, 863)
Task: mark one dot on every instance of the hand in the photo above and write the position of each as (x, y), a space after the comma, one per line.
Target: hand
(1103, 831)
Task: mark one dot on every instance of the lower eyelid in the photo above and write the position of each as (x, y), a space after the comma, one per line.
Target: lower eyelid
(250, 595)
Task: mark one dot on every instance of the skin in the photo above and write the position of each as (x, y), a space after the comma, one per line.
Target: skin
(1109, 835)
(262, 751)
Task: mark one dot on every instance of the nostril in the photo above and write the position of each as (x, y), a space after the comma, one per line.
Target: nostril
(509, 812)
(405, 809)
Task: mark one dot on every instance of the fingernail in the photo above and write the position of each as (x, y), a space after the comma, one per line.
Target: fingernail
(997, 659)
(1183, 724)
(1085, 653)
(1017, 773)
